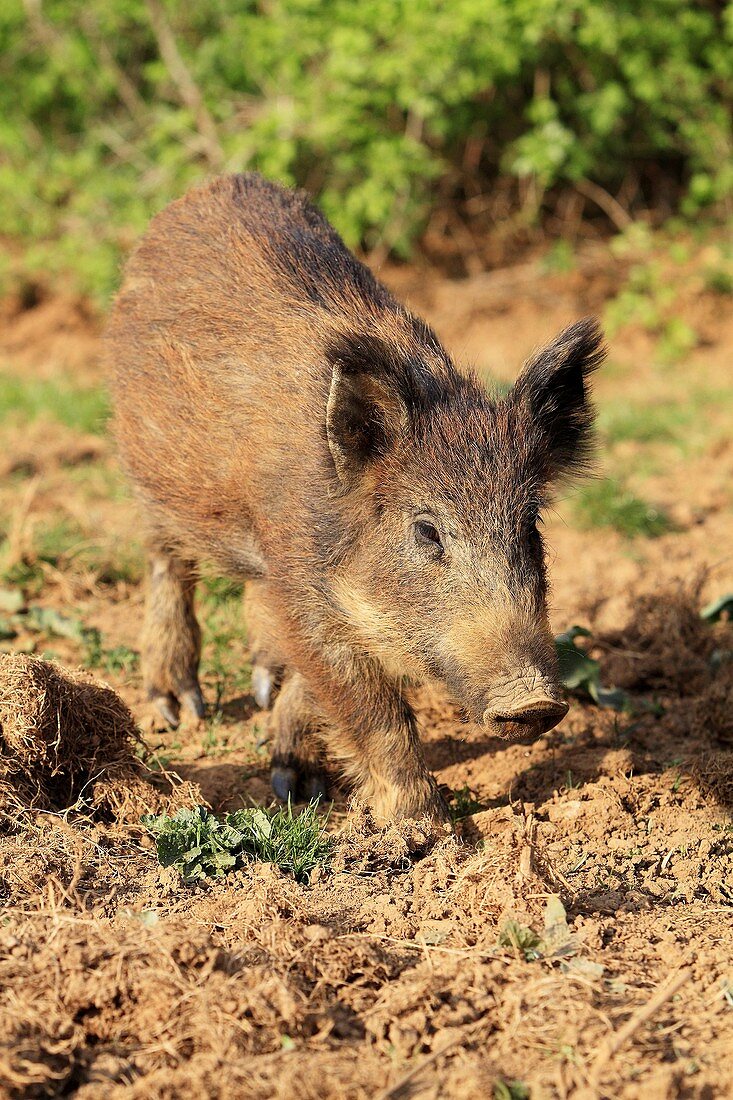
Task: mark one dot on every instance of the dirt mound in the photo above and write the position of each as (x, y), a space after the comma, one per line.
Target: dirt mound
(67, 740)
(359, 985)
(249, 970)
(366, 849)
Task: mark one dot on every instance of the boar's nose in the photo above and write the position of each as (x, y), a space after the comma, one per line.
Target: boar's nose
(532, 716)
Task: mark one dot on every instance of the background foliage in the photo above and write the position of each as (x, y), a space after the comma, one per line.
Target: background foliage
(386, 109)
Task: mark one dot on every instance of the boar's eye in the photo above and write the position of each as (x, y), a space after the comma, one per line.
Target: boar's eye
(427, 534)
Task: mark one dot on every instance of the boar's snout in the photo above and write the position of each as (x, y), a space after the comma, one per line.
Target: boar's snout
(528, 718)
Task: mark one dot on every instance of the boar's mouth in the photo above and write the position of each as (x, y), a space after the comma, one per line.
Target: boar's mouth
(527, 719)
(521, 707)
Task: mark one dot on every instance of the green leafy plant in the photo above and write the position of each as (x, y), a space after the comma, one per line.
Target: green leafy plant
(719, 280)
(650, 299)
(119, 658)
(201, 845)
(52, 623)
(556, 944)
(719, 609)
(521, 939)
(581, 674)
(463, 803)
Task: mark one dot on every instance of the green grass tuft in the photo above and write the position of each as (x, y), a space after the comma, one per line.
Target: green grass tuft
(644, 424)
(201, 845)
(85, 409)
(61, 542)
(607, 503)
(225, 651)
(216, 591)
(27, 576)
(719, 280)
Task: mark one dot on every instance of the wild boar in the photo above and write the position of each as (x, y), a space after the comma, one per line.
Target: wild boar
(285, 419)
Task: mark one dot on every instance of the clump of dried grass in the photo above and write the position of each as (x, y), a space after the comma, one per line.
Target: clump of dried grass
(713, 772)
(713, 716)
(666, 646)
(68, 740)
(61, 720)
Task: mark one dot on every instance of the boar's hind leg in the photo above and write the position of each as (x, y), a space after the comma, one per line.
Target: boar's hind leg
(267, 669)
(297, 763)
(171, 638)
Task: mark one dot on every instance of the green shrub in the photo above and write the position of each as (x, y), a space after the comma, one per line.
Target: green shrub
(107, 111)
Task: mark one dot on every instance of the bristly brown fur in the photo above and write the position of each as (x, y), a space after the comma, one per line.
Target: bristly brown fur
(283, 416)
(554, 385)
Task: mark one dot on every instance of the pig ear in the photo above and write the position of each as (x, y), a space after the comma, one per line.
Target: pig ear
(373, 392)
(553, 390)
(363, 417)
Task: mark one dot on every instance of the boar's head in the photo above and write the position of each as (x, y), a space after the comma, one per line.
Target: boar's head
(441, 488)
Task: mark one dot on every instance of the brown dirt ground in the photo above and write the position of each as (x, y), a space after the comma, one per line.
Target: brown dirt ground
(384, 977)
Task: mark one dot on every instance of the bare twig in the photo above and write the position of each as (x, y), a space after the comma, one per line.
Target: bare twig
(187, 88)
(394, 1091)
(527, 854)
(607, 203)
(652, 1006)
(126, 89)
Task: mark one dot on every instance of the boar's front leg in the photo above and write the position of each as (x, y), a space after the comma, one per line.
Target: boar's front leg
(297, 750)
(171, 638)
(370, 731)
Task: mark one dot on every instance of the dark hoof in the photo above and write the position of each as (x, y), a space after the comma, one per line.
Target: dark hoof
(315, 786)
(167, 707)
(284, 783)
(194, 703)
